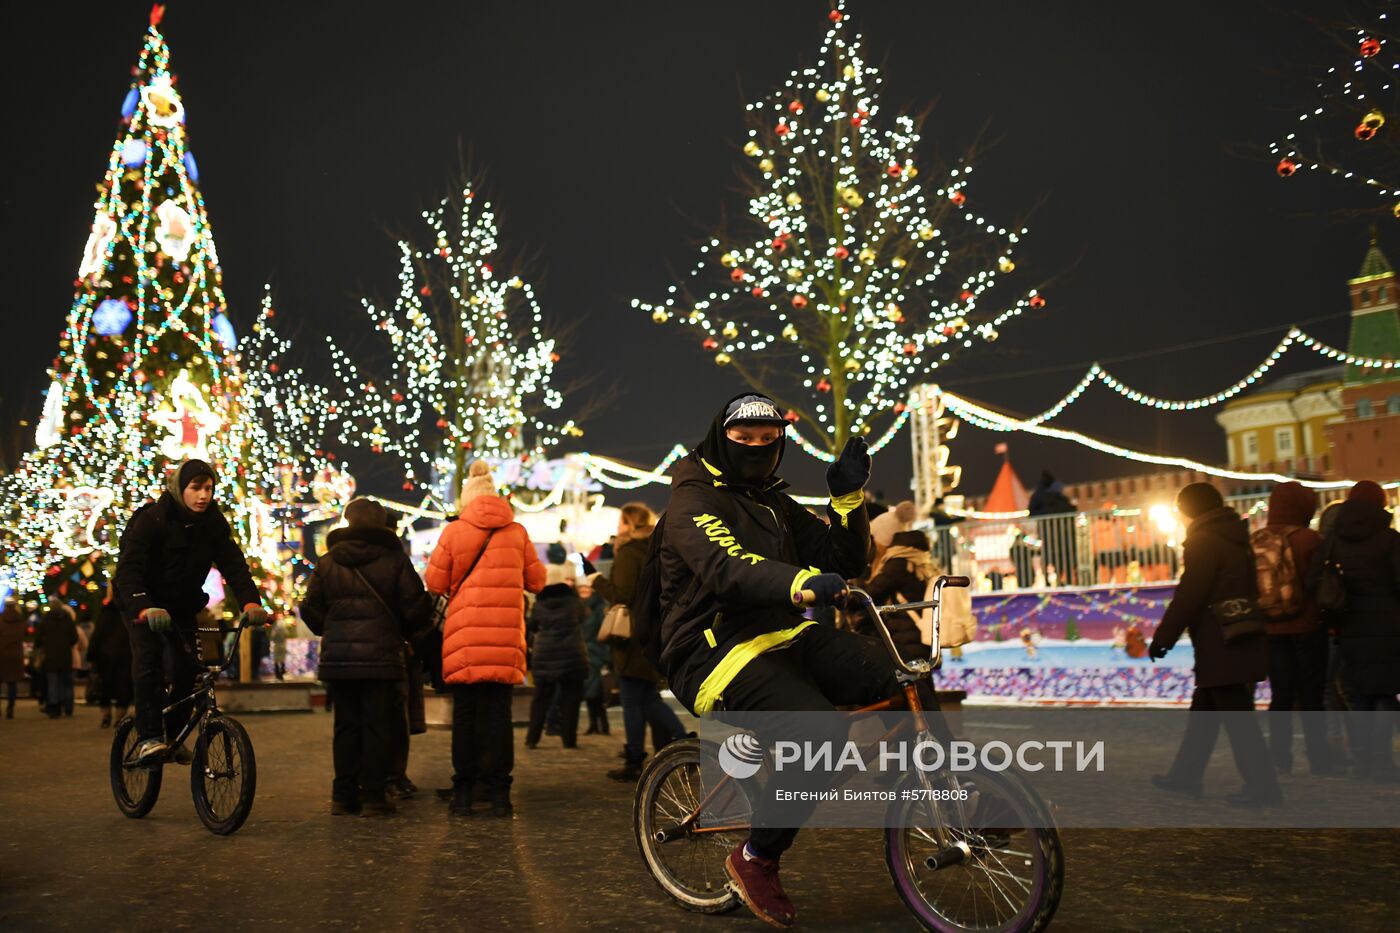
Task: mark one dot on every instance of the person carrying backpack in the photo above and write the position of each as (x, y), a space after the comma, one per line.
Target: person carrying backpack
(167, 550)
(735, 555)
(1283, 550)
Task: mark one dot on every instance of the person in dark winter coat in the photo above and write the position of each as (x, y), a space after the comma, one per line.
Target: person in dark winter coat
(558, 661)
(167, 550)
(1219, 565)
(364, 599)
(1297, 644)
(1365, 546)
(638, 679)
(901, 576)
(57, 637)
(594, 607)
(737, 555)
(109, 653)
(12, 631)
(1056, 528)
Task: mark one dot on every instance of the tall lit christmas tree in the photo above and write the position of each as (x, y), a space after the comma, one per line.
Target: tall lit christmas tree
(470, 369)
(852, 276)
(148, 372)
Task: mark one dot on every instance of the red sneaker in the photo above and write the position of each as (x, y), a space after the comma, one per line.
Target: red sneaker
(756, 882)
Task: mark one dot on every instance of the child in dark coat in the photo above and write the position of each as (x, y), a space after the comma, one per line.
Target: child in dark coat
(558, 660)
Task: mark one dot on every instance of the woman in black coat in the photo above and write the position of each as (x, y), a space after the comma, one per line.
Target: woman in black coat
(558, 661)
(364, 600)
(901, 576)
(1219, 566)
(109, 653)
(1365, 546)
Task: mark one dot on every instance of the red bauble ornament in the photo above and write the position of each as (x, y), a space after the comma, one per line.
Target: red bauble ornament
(554, 357)
(710, 343)
(834, 16)
(799, 301)
(1370, 46)
(1037, 302)
(840, 252)
(737, 275)
(859, 117)
(910, 349)
(425, 290)
(442, 423)
(899, 408)
(894, 170)
(779, 245)
(966, 295)
(377, 449)
(791, 417)
(781, 129)
(1365, 131)
(757, 291)
(272, 367)
(823, 385)
(407, 486)
(1286, 167)
(795, 106)
(397, 396)
(958, 198)
(948, 330)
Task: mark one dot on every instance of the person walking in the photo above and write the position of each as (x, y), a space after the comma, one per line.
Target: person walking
(58, 637)
(1055, 526)
(109, 653)
(1219, 568)
(1297, 641)
(364, 599)
(1365, 547)
(594, 690)
(12, 631)
(558, 660)
(638, 678)
(167, 550)
(483, 563)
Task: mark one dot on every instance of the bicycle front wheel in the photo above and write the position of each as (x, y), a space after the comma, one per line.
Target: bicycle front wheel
(135, 788)
(223, 775)
(1013, 878)
(688, 865)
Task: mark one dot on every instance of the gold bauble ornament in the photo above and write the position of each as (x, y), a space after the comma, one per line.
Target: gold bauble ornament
(852, 197)
(911, 172)
(728, 261)
(851, 364)
(991, 334)
(867, 255)
(751, 148)
(730, 331)
(722, 359)
(790, 332)
(848, 72)
(766, 165)
(899, 262)
(795, 273)
(1006, 265)
(660, 315)
(926, 233)
(823, 95)
(1375, 120)
(893, 312)
(793, 199)
(1396, 209)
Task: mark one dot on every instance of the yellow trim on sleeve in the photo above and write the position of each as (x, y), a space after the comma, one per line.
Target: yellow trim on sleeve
(845, 505)
(710, 638)
(802, 577)
(712, 689)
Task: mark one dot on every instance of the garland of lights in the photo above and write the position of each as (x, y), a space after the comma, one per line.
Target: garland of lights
(1356, 100)
(149, 370)
(467, 377)
(850, 278)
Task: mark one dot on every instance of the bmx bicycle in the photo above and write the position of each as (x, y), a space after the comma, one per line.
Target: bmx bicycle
(223, 774)
(974, 850)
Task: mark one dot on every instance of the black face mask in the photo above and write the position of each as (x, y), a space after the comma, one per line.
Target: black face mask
(751, 465)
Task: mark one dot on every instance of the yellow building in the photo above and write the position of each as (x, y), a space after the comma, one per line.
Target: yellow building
(1281, 426)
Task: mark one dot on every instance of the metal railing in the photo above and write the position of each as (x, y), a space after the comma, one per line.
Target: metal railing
(1118, 546)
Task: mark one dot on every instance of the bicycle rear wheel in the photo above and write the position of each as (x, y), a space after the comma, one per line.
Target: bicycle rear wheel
(1012, 881)
(688, 866)
(135, 789)
(223, 775)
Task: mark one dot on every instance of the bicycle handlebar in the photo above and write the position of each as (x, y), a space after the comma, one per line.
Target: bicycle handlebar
(919, 667)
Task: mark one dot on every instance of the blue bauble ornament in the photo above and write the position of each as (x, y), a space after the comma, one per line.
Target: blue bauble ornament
(133, 97)
(111, 317)
(191, 169)
(134, 153)
(223, 329)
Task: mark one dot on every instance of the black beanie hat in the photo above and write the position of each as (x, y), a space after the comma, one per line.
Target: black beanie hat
(1197, 499)
(361, 512)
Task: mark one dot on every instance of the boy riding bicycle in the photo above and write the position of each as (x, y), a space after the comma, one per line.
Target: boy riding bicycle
(167, 550)
(736, 555)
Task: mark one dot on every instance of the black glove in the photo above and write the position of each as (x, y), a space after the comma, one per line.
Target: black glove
(1157, 652)
(829, 587)
(851, 470)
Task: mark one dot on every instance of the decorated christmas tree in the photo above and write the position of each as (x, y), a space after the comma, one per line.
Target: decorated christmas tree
(863, 266)
(470, 371)
(148, 372)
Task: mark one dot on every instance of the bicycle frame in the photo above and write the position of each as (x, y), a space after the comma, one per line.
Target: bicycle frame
(203, 698)
(908, 675)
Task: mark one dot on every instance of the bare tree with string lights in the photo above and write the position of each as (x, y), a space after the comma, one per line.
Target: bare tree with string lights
(862, 266)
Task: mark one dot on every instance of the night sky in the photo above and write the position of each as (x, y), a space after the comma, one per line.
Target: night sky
(610, 134)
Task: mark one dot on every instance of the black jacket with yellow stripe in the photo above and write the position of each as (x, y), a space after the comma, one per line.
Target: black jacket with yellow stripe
(731, 561)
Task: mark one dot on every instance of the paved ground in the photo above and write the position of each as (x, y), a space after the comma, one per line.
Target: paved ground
(70, 861)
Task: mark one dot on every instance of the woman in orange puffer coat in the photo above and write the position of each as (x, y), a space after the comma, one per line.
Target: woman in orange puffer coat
(485, 560)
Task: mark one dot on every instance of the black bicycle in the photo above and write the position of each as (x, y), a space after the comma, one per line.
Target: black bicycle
(223, 774)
